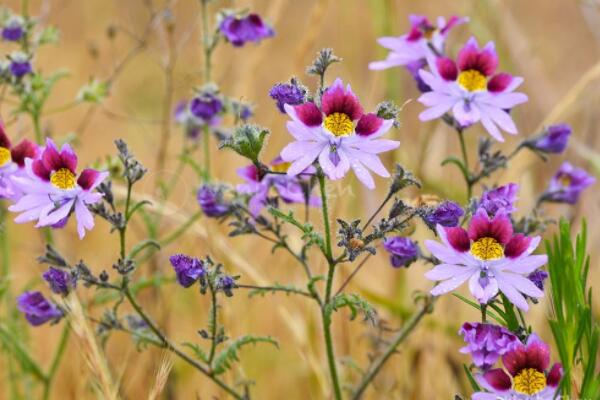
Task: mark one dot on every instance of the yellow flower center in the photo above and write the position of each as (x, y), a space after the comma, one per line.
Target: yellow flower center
(565, 180)
(339, 124)
(529, 381)
(4, 156)
(472, 80)
(487, 249)
(283, 167)
(63, 179)
(428, 33)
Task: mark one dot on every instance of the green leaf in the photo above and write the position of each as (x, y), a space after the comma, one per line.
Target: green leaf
(13, 345)
(463, 169)
(355, 303)
(225, 359)
(247, 140)
(309, 234)
(472, 380)
(94, 92)
(142, 246)
(49, 35)
(200, 354)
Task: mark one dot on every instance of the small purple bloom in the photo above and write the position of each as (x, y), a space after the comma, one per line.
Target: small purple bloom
(447, 214)
(60, 281)
(486, 343)
(403, 251)
(187, 269)
(288, 93)
(37, 309)
(567, 184)
(207, 106)
(226, 283)
(20, 68)
(553, 140)
(251, 28)
(211, 201)
(13, 29)
(538, 277)
(500, 200)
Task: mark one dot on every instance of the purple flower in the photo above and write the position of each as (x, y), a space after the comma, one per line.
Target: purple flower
(554, 139)
(226, 283)
(567, 184)
(187, 269)
(288, 93)
(403, 251)
(12, 163)
(207, 106)
(446, 214)
(500, 200)
(37, 309)
(13, 30)
(486, 342)
(412, 49)
(339, 135)
(288, 188)
(239, 30)
(190, 123)
(538, 277)
(529, 379)
(489, 256)
(60, 281)
(19, 64)
(211, 201)
(52, 189)
(472, 90)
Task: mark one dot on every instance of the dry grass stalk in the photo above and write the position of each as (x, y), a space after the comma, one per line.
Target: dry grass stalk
(161, 377)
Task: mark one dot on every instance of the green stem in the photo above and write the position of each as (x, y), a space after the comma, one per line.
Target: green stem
(463, 149)
(206, 41)
(484, 313)
(206, 136)
(58, 354)
(406, 330)
(213, 325)
(37, 127)
(325, 313)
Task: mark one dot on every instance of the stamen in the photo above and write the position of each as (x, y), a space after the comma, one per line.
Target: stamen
(4, 156)
(472, 80)
(529, 381)
(339, 124)
(63, 179)
(487, 249)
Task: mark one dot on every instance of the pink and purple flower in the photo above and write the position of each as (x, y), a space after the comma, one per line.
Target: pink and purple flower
(525, 375)
(12, 163)
(411, 50)
(289, 189)
(339, 135)
(52, 190)
(567, 184)
(472, 90)
(489, 256)
(240, 30)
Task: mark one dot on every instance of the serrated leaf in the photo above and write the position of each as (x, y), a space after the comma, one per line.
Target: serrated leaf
(355, 303)
(224, 360)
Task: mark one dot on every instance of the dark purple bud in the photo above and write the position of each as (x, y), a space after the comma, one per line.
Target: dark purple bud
(20, 69)
(226, 283)
(206, 106)
(403, 251)
(187, 269)
(13, 29)
(288, 93)
(501, 199)
(60, 281)
(553, 140)
(37, 309)
(538, 277)
(211, 201)
(567, 184)
(447, 214)
(251, 28)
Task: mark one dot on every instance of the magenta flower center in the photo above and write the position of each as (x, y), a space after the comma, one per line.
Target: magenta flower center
(4, 156)
(529, 381)
(487, 248)
(63, 179)
(339, 124)
(472, 80)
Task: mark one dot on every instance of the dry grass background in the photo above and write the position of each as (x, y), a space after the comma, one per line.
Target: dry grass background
(554, 44)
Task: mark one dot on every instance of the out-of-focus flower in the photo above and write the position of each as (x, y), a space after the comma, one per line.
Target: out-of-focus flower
(412, 49)
(339, 135)
(188, 269)
(206, 106)
(190, 123)
(37, 309)
(288, 93)
(538, 278)
(52, 189)
(528, 377)
(12, 163)
(447, 214)
(288, 188)
(20, 64)
(13, 29)
(567, 184)
(489, 256)
(486, 343)
(240, 30)
(500, 200)
(210, 199)
(226, 283)
(554, 139)
(472, 90)
(60, 281)
(403, 251)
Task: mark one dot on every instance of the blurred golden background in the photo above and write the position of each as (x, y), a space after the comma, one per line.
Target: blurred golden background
(553, 44)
